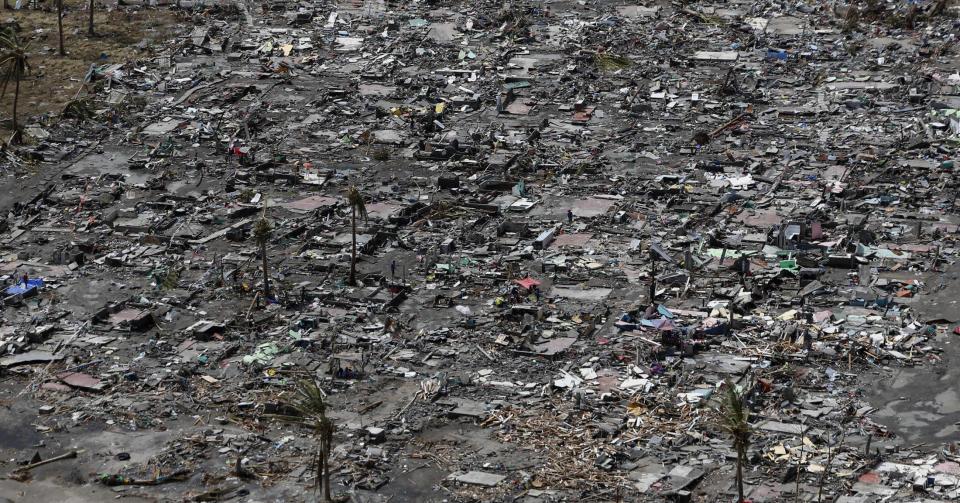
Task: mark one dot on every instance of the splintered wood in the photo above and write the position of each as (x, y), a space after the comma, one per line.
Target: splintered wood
(572, 452)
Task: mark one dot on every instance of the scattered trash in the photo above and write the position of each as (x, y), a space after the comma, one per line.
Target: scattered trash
(524, 251)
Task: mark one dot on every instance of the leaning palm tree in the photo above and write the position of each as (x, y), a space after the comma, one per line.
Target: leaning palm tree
(734, 418)
(357, 208)
(15, 66)
(261, 233)
(309, 408)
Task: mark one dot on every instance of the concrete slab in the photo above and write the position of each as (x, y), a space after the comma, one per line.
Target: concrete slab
(479, 478)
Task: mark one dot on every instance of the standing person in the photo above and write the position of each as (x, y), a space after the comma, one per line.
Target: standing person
(570, 216)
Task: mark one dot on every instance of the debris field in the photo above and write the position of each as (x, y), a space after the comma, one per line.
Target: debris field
(516, 251)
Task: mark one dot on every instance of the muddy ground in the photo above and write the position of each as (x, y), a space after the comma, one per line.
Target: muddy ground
(922, 404)
(120, 37)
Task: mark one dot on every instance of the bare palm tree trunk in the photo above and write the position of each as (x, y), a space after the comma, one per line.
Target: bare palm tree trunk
(60, 25)
(266, 275)
(16, 98)
(831, 452)
(325, 448)
(653, 281)
(740, 457)
(90, 25)
(353, 251)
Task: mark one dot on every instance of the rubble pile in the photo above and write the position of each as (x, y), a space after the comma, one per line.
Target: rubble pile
(527, 251)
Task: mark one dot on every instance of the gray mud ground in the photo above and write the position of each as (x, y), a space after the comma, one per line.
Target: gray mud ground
(922, 404)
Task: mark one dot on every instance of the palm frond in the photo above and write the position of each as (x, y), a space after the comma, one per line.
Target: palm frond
(79, 109)
(13, 60)
(261, 230)
(310, 401)
(355, 200)
(733, 415)
(310, 407)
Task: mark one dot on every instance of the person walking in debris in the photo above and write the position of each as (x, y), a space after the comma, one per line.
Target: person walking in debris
(393, 268)
(570, 216)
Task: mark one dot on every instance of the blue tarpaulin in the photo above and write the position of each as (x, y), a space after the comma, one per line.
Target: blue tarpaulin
(777, 54)
(22, 288)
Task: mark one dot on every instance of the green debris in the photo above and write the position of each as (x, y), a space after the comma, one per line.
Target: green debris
(264, 354)
(520, 84)
(79, 109)
(171, 279)
(612, 62)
